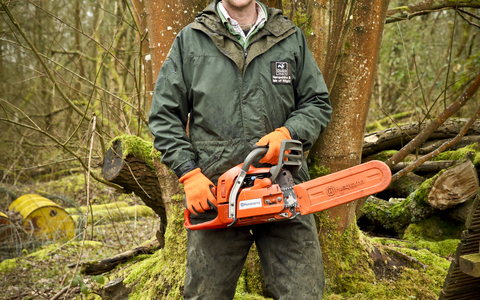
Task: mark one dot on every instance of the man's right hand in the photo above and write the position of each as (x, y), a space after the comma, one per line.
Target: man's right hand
(198, 191)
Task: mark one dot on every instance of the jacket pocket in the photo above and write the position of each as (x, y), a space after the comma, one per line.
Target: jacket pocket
(208, 156)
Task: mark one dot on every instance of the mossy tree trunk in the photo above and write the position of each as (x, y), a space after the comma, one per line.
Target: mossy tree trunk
(349, 69)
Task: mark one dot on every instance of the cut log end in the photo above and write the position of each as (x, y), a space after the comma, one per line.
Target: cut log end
(456, 185)
(470, 264)
(113, 162)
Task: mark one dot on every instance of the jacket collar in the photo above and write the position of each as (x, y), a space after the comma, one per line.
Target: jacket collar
(276, 24)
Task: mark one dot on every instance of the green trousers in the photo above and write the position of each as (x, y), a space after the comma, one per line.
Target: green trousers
(289, 253)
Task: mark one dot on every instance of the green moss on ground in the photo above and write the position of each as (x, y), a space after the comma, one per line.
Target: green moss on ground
(138, 147)
(384, 155)
(161, 276)
(460, 154)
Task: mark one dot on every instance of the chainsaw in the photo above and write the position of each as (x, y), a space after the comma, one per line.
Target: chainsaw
(247, 195)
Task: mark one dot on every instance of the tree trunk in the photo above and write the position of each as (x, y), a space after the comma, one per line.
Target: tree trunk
(340, 146)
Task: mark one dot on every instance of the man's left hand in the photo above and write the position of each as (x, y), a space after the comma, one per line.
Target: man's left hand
(274, 141)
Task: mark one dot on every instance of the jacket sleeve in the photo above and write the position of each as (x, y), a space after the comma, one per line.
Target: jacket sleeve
(169, 114)
(313, 110)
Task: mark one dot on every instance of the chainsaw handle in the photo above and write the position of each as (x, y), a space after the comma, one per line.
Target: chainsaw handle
(257, 151)
(213, 224)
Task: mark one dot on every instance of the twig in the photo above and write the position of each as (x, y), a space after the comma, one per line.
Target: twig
(468, 21)
(88, 203)
(62, 291)
(423, 136)
(412, 259)
(437, 151)
(38, 129)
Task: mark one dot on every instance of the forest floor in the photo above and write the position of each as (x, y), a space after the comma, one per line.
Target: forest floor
(40, 269)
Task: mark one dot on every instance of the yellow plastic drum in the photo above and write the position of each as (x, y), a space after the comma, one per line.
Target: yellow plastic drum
(44, 218)
(5, 227)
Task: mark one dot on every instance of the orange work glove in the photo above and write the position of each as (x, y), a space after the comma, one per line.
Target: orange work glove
(274, 141)
(198, 191)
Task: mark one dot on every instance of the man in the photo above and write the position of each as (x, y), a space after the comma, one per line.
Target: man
(244, 75)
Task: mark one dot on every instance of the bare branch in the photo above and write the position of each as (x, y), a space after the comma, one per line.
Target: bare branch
(422, 137)
(439, 149)
(426, 7)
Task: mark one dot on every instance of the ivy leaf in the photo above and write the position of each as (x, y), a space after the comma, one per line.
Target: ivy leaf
(99, 279)
(83, 288)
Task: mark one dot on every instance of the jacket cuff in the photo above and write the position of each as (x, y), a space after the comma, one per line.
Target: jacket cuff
(185, 168)
(293, 134)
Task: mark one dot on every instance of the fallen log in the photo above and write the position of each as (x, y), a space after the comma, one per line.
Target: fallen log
(135, 175)
(426, 167)
(432, 145)
(413, 209)
(395, 138)
(108, 264)
(406, 185)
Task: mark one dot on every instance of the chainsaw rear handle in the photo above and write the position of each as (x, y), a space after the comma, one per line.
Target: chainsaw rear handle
(216, 223)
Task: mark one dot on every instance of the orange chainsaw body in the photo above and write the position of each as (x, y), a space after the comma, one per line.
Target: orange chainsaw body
(264, 201)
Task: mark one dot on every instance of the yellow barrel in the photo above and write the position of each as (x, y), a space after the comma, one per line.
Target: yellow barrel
(44, 218)
(6, 229)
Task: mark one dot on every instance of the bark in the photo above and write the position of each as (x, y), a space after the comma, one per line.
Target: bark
(140, 15)
(427, 167)
(432, 145)
(340, 146)
(426, 7)
(425, 134)
(135, 176)
(406, 185)
(395, 138)
(456, 185)
(461, 211)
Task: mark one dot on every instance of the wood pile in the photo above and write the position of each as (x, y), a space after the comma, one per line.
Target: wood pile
(445, 185)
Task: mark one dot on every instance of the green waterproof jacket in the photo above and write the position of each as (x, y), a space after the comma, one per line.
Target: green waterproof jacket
(235, 96)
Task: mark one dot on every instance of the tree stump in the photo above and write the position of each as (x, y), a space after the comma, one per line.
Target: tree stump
(135, 175)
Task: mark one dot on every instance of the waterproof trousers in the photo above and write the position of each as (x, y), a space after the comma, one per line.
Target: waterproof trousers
(289, 253)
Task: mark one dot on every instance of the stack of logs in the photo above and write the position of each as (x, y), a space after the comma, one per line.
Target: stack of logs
(451, 185)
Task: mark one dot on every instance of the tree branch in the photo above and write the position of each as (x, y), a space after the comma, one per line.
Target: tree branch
(425, 7)
(440, 149)
(423, 136)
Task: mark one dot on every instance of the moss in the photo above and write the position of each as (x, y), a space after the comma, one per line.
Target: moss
(161, 276)
(45, 251)
(83, 209)
(434, 229)
(384, 155)
(460, 154)
(316, 170)
(135, 146)
(348, 265)
(117, 214)
(8, 265)
(397, 216)
(402, 8)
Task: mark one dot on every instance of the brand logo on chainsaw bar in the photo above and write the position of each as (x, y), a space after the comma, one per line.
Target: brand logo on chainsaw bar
(332, 190)
(247, 204)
